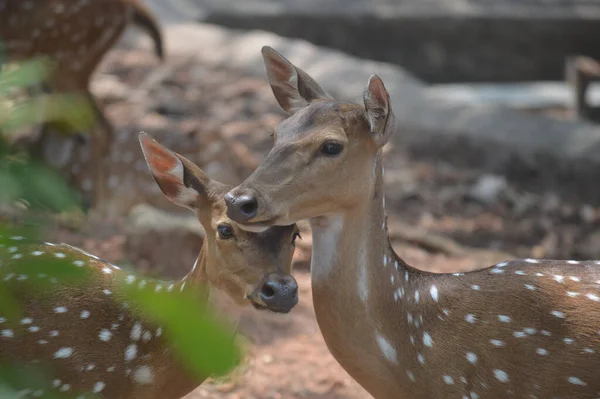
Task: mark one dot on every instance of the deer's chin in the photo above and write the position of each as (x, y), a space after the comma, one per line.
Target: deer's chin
(259, 227)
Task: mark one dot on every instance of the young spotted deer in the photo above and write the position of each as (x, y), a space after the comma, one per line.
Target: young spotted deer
(520, 329)
(93, 342)
(74, 35)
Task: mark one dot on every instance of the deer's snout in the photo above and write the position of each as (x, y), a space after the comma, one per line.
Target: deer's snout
(279, 292)
(242, 205)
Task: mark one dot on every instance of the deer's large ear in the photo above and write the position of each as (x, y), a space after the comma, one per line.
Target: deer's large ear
(293, 88)
(180, 180)
(380, 116)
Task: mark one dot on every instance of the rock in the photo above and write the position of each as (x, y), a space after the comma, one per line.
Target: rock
(162, 243)
(488, 188)
(438, 41)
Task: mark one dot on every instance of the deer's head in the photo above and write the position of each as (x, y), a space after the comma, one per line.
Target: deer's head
(249, 267)
(324, 154)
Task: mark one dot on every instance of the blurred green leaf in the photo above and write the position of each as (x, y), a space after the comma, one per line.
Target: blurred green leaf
(204, 344)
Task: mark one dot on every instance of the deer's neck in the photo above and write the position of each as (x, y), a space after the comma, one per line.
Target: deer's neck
(356, 276)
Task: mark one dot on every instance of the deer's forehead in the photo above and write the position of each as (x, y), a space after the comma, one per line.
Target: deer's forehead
(316, 118)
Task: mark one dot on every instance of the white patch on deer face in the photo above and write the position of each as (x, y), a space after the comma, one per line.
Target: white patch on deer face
(387, 349)
(130, 352)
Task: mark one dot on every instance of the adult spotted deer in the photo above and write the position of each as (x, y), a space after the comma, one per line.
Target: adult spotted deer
(520, 329)
(93, 342)
(74, 35)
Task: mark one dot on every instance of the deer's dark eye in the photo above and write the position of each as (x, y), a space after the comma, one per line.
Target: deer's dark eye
(331, 148)
(224, 231)
(296, 235)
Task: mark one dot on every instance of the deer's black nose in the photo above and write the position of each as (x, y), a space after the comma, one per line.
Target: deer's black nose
(241, 208)
(279, 292)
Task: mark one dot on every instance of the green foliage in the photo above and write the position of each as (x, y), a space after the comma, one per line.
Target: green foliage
(71, 110)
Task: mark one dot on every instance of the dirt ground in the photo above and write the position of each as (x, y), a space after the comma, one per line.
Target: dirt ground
(441, 218)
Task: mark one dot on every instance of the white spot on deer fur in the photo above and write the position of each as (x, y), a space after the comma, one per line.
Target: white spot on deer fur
(434, 292)
(420, 358)
(90, 367)
(65, 388)
(130, 279)
(130, 352)
(541, 351)
(78, 263)
(158, 332)
(573, 262)
(143, 375)
(56, 383)
(387, 349)
(416, 296)
(529, 260)
(504, 318)
(27, 320)
(448, 380)
(572, 294)
(559, 278)
(59, 255)
(42, 342)
(427, 341)
(107, 270)
(539, 274)
(546, 333)
(34, 329)
(105, 335)
(60, 309)
(410, 375)
(475, 287)
(326, 236)
(474, 395)
(530, 330)
(470, 318)
(501, 375)
(146, 336)
(136, 331)
(502, 264)
(576, 381)
(519, 334)
(568, 341)
(593, 297)
(85, 314)
(496, 342)
(110, 369)
(107, 292)
(497, 271)
(471, 357)
(574, 278)
(63, 353)
(17, 238)
(53, 333)
(558, 314)
(37, 253)
(520, 272)
(589, 350)
(7, 333)
(529, 287)
(98, 387)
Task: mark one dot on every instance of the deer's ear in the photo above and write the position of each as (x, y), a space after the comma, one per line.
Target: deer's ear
(293, 88)
(380, 116)
(182, 182)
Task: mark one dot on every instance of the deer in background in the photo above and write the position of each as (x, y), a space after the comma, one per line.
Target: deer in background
(93, 342)
(526, 328)
(74, 35)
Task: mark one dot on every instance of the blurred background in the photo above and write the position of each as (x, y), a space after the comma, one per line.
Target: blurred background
(496, 155)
